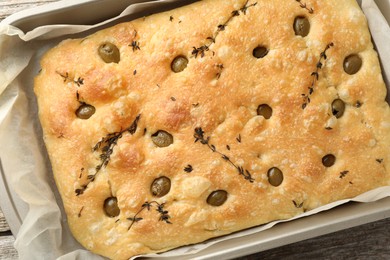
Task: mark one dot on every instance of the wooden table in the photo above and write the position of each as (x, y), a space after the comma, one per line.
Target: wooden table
(369, 241)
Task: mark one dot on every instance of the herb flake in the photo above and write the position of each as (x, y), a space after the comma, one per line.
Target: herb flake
(343, 174)
(379, 160)
(188, 168)
(298, 205)
(79, 215)
(135, 44)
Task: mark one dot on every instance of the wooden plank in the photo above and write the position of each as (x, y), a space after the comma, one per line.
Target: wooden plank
(369, 241)
(3, 223)
(7, 250)
(8, 7)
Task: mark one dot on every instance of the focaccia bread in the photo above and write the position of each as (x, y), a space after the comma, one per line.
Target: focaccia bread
(212, 118)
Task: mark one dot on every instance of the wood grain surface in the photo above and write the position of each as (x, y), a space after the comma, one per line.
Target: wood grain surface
(3, 223)
(369, 241)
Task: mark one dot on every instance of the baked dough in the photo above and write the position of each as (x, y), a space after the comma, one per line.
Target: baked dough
(242, 129)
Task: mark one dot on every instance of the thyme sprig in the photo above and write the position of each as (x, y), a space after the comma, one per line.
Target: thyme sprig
(200, 51)
(79, 81)
(315, 76)
(164, 216)
(304, 6)
(106, 146)
(199, 136)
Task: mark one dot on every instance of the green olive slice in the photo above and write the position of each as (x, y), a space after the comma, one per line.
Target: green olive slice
(160, 186)
(328, 160)
(301, 26)
(217, 198)
(85, 111)
(109, 53)
(179, 64)
(111, 207)
(260, 52)
(162, 138)
(265, 111)
(275, 176)
(352, 64)
(338, 108)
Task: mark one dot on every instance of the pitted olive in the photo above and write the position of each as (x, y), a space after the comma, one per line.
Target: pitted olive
(352, 64)
(301, 26)
(260, 52)
(275, 176)
(179, 64)
(265, 111)
(217, 198)
(160, 186)
(338, 108)
(111, 207)
(328, 160)
(109, 53)
(162, 138)
(85, 111)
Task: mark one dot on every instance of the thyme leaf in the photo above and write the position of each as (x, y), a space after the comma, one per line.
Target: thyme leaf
(298, 205)
(133, 127)
(135, 44)
(188, 168)
(79, 215)
(379, 160)
(343, 174)
(81, 172)
(200, 51)
(220, 67)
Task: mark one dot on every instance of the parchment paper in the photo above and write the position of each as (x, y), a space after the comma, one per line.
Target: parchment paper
(44, 233)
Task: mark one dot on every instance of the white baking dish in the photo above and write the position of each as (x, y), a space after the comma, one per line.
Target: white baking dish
(96, 11)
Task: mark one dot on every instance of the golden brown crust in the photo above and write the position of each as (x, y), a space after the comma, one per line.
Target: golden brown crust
(218, 94)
